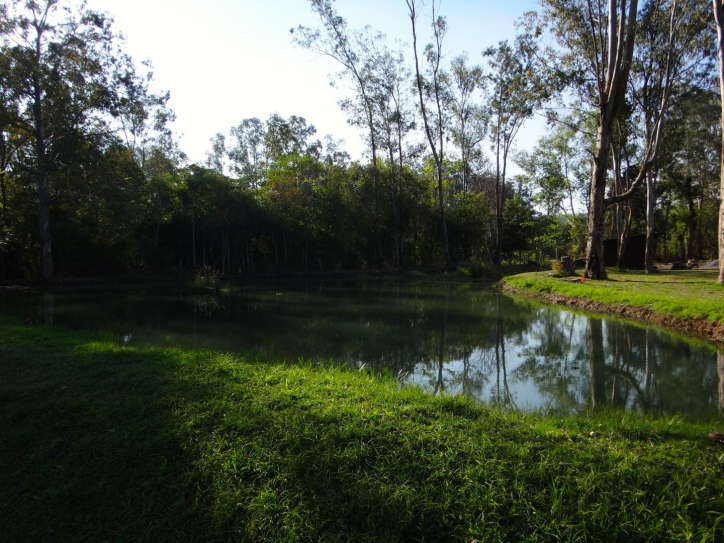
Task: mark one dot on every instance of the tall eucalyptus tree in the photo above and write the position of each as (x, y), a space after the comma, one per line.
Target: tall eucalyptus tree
(469, 117)
(719, 18)
(433, 89)
(516, 87)
(247, 151)
(394, 119)
(598, 43)
(347, 47)
(671, 57)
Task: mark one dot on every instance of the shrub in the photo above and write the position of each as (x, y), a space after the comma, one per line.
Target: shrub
(478, 269)
(207, 277)
(559, 270)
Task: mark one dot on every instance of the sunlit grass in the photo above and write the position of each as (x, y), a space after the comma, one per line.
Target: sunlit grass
(684, 294)
(101, 442)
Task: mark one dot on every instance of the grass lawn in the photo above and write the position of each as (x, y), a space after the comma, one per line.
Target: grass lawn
(104, 443)
(685, 294)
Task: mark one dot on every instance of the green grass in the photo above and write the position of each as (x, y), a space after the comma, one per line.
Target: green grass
(104, 443)
(684, 294)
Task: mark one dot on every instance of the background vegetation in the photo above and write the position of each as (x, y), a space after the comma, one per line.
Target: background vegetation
(93, 182)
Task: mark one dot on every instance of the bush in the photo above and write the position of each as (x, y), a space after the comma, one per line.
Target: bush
(478, 269)
(207, 277)
(559, 270)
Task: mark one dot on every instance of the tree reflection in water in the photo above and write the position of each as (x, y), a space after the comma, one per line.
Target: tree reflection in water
(720, 371)
(445, 338)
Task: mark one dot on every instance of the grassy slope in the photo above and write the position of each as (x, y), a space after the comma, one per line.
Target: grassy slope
(100, 442)
(684, 294)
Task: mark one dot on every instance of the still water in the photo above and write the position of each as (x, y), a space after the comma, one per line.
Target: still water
(446, 338)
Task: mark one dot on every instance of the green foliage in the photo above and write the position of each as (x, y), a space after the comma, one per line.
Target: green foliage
(478, 269)
(559, 270)
(557, 170)
(273, 199)
(206, 277)
(519, 226)
(67, 86)
(469, 220)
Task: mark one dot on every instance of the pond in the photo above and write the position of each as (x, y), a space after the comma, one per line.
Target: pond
(445, 338)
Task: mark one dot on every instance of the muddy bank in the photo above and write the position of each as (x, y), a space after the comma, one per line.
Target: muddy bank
(710, 330)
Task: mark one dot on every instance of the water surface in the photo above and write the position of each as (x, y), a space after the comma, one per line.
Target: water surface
(446, 338)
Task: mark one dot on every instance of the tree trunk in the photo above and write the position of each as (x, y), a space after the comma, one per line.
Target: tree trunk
(428, 132)
(441, 198)
(155, 250)
(665, 235)
(623, 239)
(699, 231)
(376, 174)
(193, 238)
(719, 17)
(721, 228)
(400, 192)
(623, 225)
(46, 253)
(721, 231)
(650, 237)
(611, 96)
(595, 268)
(498, 260)
(48, 308)
(396, 219)
(4, 194)
(690, 228)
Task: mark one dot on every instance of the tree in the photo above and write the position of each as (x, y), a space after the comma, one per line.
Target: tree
(469, 129)
(719, 18)
(216, 157)
(599, 42)
(519, 227)
(434, 88)
(389, 79)
(669, 59)
(247, 152)
(59, 65)
(516, 87)
(556, 168)
(688, 175)
(289, 137)
(348, 47)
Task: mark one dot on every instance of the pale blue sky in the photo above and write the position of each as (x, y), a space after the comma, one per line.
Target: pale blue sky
(226, 60)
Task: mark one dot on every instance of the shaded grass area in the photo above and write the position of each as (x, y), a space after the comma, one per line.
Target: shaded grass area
(104, 443)
(684, 294)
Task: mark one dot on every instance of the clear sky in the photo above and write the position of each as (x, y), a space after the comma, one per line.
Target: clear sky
(226, 60)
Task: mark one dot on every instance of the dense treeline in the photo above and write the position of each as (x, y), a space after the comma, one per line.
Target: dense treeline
(305, 210)
(92, 180)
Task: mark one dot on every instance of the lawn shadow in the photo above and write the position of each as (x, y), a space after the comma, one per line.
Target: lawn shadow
(90, 445)
(103, 443)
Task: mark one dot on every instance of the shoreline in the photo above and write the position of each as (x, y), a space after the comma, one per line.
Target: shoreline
(709, 330)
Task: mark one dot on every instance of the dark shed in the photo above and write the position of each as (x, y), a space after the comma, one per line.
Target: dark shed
(634, 256)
